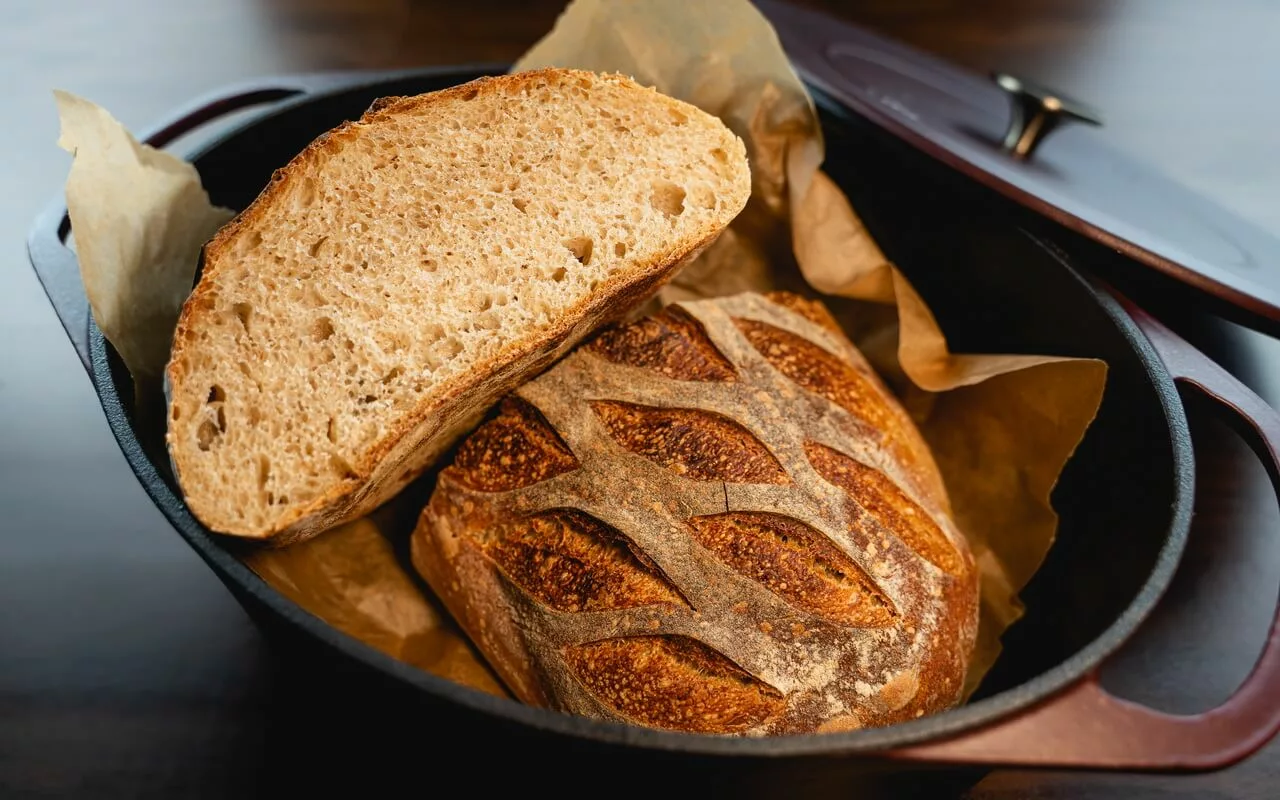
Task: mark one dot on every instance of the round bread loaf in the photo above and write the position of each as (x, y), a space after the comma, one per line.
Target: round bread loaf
(717, 520)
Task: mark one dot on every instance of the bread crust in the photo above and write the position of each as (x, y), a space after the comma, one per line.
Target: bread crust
(419, 437)
(811, 576)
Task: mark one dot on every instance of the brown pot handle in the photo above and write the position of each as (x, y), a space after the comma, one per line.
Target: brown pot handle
(1085, 726)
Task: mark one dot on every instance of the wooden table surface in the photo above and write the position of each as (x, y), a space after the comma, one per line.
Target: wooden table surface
(127, 670)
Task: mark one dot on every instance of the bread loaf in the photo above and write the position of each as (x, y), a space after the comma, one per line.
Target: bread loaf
(714, 520)
(407, 270)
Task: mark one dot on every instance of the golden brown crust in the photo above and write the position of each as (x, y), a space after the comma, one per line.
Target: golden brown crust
(424, 432)
(796, 563)
(670, 342)
(850, 385)
(574, 562)
(822, 585)
(517, 448)
(812, 310)
(673, 682)
(888, 505)
(699, 445)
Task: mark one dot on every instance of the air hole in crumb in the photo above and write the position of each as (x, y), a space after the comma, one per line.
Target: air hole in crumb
(348, 267)
(520, 203)
(264, 471)
(677, 117)
(243, 312)
(342, 466)
(205, 434)
(470, 95)
(620, 249)
(720, 155)
(429, 264)
(177, 412)
(248, 243)
(581, 248)
(222, 419)
(314, 249)
(216, 394)
(306, 193)
(668, 198)
(452, 347)
(322, 329)
(558, 275)
(332, 430)
(395, 372)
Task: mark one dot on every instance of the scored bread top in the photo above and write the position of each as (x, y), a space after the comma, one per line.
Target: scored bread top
(406, 270)
(716, 519)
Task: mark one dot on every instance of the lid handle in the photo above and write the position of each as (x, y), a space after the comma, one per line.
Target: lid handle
(1037, 112)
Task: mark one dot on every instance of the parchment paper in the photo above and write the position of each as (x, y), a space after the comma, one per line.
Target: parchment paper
(139, 216)
(1001, 426)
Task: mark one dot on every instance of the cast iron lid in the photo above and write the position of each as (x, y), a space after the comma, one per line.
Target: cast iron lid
(1044, 151)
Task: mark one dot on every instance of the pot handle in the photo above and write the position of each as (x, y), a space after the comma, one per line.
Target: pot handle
(1084, 726)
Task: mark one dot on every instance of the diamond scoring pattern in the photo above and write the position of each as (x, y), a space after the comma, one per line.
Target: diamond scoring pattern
(605, 414)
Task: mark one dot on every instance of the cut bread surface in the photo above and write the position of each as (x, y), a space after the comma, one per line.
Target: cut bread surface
(406, 270)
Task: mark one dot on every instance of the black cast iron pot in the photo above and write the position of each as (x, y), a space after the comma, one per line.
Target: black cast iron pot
(347, 711)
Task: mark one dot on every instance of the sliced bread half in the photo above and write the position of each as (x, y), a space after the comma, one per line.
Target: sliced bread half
(406, 270)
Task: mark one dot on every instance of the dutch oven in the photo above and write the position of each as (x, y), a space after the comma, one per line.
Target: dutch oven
(947, 169)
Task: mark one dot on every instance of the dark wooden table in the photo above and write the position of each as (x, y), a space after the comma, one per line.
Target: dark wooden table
(127, 670)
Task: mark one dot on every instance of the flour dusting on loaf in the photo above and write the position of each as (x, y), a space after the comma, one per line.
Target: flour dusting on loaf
(716, 520)
(408, 269)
